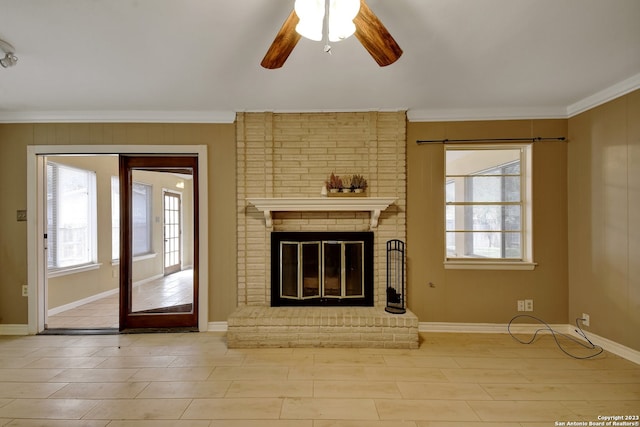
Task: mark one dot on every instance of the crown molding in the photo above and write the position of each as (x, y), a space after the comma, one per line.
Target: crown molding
(612, 92)
(413, 115)
(117, 116)
(471, 114)
(446, 115)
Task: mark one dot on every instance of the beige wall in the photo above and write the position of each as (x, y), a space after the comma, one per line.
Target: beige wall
(586, 204)
(485, 296)
(220, 142)
(604, 219)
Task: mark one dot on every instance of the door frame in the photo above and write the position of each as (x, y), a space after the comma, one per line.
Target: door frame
(36, 263)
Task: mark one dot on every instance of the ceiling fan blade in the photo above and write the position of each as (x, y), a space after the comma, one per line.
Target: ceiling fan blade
(283, 44)
(375, 38)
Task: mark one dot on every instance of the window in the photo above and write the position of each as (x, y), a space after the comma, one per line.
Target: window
(141, 218)
(142, 225)
(71, 217)
(488, 206)
(115, 218)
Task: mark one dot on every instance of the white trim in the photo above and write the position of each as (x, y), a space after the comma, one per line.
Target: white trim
(117, 117)
(143, 257)
(78, 303)
(65, 271)
(489, 265)
(217, 327)
(147, 280)
(470, 114)
(552, 112)
(484, 328)
(612, 92)
(610, 346)
(413, 115)
(323, 204)
(14, 329)
(529, 328)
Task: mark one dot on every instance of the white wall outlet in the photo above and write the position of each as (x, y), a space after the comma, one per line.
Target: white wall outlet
(25, 290)
(585, 319)
(528, 305)
(520, 305)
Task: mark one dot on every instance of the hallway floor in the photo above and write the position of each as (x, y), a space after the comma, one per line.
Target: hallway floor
(192, 379)
(172, 290)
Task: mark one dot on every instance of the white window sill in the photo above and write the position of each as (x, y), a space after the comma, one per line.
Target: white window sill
(488, 265)
(73, 270)
(136, 258)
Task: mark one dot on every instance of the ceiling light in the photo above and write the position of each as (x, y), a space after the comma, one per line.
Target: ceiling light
(338, 13)
(9, 59)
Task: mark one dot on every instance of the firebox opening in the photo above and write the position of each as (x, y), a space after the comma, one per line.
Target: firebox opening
(321, 268)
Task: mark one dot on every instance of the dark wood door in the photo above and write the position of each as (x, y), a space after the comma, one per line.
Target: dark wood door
(149, 298)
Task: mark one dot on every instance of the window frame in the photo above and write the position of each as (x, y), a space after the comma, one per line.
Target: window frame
(525, 262)
(92, 223)
(115, 225)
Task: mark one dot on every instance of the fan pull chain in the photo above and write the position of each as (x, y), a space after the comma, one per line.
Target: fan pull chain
(325, 27)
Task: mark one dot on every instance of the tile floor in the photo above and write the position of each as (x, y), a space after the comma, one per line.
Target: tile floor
(192, 379)
(174, 289)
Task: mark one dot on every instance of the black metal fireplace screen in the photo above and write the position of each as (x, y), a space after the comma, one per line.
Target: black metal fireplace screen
(322, 268)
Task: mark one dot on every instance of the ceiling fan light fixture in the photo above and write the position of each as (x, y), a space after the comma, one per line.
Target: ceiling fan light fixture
(341, 16)
(312, 16)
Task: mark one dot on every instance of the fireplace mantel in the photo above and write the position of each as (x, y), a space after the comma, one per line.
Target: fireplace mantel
(375, 205)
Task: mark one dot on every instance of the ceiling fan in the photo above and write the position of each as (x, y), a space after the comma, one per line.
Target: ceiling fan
(371, 33)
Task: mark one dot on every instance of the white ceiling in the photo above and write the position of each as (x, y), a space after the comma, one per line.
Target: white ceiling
(199, 60)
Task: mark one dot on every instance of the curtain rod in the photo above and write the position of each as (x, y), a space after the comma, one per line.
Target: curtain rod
(457, 141)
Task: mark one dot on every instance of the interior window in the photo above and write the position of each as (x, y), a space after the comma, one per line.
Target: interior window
(71, 216)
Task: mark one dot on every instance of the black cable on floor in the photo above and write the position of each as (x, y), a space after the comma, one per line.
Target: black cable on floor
(555, 334)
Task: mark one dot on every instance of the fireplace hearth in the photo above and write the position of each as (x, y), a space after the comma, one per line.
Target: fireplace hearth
(322, 269)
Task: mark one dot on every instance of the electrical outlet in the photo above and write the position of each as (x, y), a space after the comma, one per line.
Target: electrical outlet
(528, 305)
(520, 305)
(25, 290)
(585, 319)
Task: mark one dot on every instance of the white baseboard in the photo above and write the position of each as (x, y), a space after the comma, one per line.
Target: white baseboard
(530, 328)
(217, 327)
(483, 328)
(92, 298)
(14, 329)
(148, 279)
(610, 346)
(78, 303)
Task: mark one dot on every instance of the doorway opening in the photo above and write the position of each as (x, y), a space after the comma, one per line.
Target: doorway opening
(63, 283)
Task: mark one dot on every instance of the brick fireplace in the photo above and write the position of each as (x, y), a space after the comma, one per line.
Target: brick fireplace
(289, 156)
